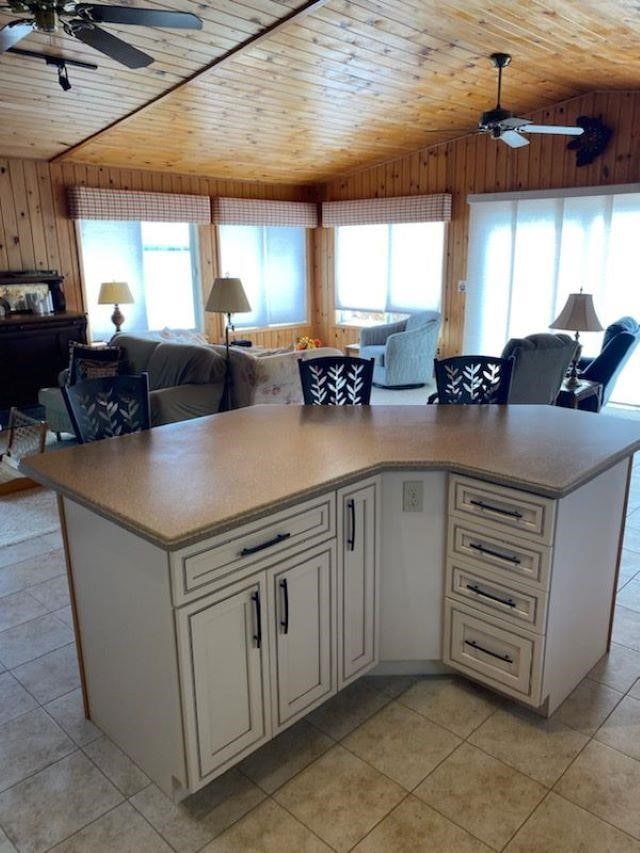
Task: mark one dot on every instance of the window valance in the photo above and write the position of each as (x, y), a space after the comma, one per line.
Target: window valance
(388, 211)
(253, 211)
(96, 203)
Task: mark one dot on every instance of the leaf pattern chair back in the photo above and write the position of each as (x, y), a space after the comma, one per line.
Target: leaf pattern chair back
(469, 379)
(336, 381)
(108, 407)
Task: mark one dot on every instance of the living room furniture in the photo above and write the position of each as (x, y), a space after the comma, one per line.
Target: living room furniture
(22, 436)
(115, 293)
(478, 379)
(108, 407)
(578, 315)
(352, 350)
(227, 297)
(211, 619)
(336, 381)
(540, 364)
(618, 344)
(576, 396)
(403, 352)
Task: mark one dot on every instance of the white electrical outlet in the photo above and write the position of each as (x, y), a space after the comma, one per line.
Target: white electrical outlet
(412, 496)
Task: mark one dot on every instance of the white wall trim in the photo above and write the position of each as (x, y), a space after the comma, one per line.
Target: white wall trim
(566, 192)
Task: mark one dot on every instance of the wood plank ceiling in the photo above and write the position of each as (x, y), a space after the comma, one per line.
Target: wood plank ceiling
(353, 83)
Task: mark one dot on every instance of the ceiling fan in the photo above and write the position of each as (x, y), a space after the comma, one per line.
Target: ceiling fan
(508, 127)
(80, 19)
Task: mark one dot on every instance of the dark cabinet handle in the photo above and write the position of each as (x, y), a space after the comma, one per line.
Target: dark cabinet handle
(351, 541)
(276, 539)
(483, 550)
(512, 513)
(284, 623)
(474, 588)
(475, 645)
(255, 597)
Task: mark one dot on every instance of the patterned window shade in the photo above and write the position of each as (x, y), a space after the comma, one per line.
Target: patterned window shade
(94, 203)
(388, 211)
(253, 211)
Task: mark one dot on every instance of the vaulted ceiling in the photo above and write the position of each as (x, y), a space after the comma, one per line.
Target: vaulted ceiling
(344, 84)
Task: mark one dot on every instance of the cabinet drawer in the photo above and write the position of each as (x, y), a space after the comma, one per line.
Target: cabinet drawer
(486, 591)
(509, 557)
(208, 565)
(503, 509)
(488, 650)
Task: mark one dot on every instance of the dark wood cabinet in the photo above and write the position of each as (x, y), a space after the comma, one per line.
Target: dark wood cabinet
(33, 350)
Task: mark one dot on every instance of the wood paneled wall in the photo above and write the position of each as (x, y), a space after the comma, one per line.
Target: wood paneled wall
(478, 164)
(36, 233)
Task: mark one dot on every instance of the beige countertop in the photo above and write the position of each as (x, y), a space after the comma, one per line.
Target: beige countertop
(179, 483)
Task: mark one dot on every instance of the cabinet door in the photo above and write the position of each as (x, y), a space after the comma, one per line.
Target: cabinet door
(224, 678)
(357, 580)
(303, 658)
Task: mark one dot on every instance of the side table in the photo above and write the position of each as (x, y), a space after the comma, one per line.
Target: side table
(569, 396)
(352, 350)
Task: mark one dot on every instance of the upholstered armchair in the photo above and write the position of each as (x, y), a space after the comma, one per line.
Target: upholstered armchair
(619, 341)
(540, 363)
(403, 352)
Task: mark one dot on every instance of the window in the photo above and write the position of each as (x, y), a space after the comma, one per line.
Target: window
(159, 262)
(271, 261)
(384, 270)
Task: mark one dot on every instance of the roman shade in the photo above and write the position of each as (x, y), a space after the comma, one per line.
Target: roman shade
(253, 211)
(96, 203)
(388, 211)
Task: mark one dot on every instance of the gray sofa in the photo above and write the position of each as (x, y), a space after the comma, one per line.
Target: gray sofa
(540, 363)
(403, 352)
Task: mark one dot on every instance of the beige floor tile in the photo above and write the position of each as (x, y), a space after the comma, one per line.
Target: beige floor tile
(340, 797)
(626, 628)
(347, 709)
(481, 794)
(10, 554)
(68, 712)
(122, 830)
(48, 807)
(558, 826)
(65, 615)
(51, 675)
(588, 706)
(451, 702)
(32, 640)
(632, 536)
(392, 685)
(622, 729)
(14, 699)
(29, 743)
(267, 829)
(629, 596)
(414, 827)
(53, 594)
(618, 669)
(635, 690)
(606, 783)
(189, 825)
(402, 744)
(5, 845)
(15, 577)
(280, 759)
(19, 607)
(116, 766)
(539, 748)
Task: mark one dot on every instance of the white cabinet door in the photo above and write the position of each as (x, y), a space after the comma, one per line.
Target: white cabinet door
(224, 667)
(303, 634)
(357, 580)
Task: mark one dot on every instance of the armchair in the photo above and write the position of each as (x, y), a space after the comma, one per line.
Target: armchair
(403, 352)
(540, 363)
(619, 341)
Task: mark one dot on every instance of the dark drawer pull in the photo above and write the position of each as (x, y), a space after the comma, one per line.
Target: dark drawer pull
(509, 601)
(512, 513)
(490, 553)
(474, 645)
(284, 623)
(276, 539)
(255, 597)
(351, 541)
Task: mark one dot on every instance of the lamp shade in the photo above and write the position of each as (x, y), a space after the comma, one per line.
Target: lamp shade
(115, 293)
(227, 297)
(578, 315)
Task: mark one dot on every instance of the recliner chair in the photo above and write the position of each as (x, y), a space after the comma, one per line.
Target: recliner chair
(619, 341)
(540, 363)
(403, 352)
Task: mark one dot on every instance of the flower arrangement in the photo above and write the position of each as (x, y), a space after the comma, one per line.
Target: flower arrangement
(305, 342)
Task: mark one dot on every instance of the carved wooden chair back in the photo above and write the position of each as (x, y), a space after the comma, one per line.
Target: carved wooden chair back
(472, 379)
(336, 381)
(108, 407)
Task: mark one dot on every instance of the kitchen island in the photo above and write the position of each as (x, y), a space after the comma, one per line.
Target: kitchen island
(231, 573)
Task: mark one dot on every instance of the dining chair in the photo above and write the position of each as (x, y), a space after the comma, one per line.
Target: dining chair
(472, 379)
(108, 407)
(336, 381)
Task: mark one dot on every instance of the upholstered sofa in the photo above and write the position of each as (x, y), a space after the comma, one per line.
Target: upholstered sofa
(403, 352)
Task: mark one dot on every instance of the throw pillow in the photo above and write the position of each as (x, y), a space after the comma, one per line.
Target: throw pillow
(92, 363)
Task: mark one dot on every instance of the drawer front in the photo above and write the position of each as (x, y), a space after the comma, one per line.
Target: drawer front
(503, 509)
(487, 650)
(488, 592)
(201, 568)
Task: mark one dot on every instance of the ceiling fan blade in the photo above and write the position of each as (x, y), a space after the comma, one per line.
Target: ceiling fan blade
(13, 33)
(513, 139)
(552, 128)
(110, 45)
(138, 17)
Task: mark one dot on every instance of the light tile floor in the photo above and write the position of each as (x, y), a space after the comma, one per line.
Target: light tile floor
(390, 764)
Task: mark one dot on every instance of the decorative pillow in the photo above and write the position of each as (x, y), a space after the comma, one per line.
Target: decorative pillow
(92, 363)
(183, 336)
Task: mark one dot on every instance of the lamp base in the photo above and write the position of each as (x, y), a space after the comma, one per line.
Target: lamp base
(573, 379)
(117, 318)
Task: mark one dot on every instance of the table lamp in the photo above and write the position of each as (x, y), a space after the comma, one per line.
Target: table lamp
(578, 315)
(115, 293)
(227, 297)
